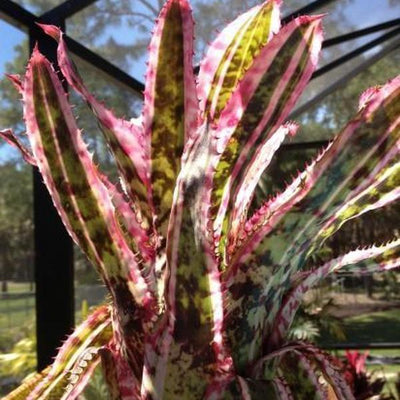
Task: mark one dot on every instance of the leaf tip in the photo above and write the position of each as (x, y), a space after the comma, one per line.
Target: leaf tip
(50, 30)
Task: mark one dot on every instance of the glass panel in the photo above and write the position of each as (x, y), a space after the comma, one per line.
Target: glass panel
(351, 15)
(120, 31)
(17, 294)
(89, 291)
(290, 6)
(39, 6)
(328, 116)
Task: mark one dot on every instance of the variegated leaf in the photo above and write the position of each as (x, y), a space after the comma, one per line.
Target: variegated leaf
(93, 333)
(74, 183)
(125, 138)
(171, 106)
(260, 104)
(191, 342)
(231, 55)
(327, 182)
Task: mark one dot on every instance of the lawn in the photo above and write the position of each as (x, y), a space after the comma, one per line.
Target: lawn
(376, 327)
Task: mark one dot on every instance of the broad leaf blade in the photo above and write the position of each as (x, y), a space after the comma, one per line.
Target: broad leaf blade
(170, 108)
(191, 343)
(90, 335)
(75, 185)
(125, 138)
(261, 103)
(232, 53)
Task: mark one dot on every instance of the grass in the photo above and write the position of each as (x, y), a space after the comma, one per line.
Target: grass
(19, 287)
(15, 311)
(381, 326)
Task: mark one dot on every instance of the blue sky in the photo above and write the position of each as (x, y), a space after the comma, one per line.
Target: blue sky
(9, 38)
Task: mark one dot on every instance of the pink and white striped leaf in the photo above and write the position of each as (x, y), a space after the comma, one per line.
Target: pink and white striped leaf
(74, 183)
(83, 201)
(232, 53)
(93, 333)
(10, 138)
(170, 106)
(260, 104)
(125, 138)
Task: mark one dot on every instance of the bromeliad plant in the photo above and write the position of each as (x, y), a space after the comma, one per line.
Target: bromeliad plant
(203, 294)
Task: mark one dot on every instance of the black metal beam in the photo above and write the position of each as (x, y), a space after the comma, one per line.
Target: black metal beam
(360, 50)
(354, 35)
(67, 9)
(16, 15)
(54, 269)
(361, 32)
(346, 78)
